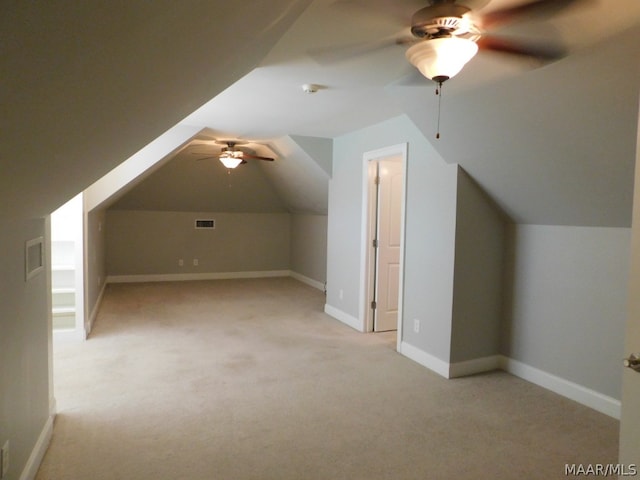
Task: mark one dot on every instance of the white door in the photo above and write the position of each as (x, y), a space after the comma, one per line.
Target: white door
(630, 420)
(388, 242)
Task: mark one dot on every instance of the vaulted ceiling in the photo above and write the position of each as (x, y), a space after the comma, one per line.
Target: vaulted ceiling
(85, 85)
(89, 86)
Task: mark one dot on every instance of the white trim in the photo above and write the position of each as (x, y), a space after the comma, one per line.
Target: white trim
(590, 398)
(37, 454)
(366, 320)
(181, 277)
(69, 335)
(309, 281)
(477, 365)
(345, 318)
(423, 358)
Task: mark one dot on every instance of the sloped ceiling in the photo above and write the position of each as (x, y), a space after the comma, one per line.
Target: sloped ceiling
(87, 84)
(554, 145)
(186, 184)
(297, 182)
(301, 174)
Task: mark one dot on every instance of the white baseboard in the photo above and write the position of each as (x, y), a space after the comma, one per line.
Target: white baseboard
(181, 277)
(578, 393)
(590, 398)
(426, 360)
(345, 318)
(69, 335)
(472, 367)
(309, 281)
(37, 454)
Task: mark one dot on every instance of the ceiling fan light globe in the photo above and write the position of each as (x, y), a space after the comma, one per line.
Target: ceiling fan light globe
(230, 161)
(441, 57)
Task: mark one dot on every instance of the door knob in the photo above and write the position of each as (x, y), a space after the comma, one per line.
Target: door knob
(633, 362)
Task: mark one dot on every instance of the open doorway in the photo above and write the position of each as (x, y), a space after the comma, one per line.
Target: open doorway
(67, 271)
(384, 238)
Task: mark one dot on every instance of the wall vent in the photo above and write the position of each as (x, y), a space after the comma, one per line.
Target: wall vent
(207, 224)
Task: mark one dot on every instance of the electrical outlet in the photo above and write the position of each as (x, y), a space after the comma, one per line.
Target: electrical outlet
(181, 262)
(341, 294)
(4, 459)
(195, 262)
(416, 325)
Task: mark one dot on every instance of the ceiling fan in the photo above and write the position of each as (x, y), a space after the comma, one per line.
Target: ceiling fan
(447, 34)
(232, 154)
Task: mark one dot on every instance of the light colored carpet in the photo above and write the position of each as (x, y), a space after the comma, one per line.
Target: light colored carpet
(248, 379)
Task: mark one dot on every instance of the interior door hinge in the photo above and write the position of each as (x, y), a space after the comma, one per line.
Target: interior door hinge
(374, 305)
(377, 180)
(375, 243)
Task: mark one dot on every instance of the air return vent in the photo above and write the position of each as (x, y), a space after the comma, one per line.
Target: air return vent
(205, 223)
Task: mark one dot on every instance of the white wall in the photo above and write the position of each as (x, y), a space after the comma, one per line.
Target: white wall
(566, 310)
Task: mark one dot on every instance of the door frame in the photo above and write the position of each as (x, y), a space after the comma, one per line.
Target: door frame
(366, 251)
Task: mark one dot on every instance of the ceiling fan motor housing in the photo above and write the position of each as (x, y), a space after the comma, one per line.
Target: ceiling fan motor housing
(440, 19)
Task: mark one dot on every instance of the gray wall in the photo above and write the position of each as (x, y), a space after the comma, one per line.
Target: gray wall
(24, 344)
(429, 236)
(309, 246)
(478, 277)
(143, 242)
(95, 257)
(566, 311)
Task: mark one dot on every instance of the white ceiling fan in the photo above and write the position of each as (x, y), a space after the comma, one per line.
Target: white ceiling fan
(446, 34)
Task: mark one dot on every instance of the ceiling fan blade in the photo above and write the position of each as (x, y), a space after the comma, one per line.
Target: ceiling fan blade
(397, 12)
(205, 158)
(337, 54)
(258, 157)
(200, 153)
(532, 10)
(542, 52)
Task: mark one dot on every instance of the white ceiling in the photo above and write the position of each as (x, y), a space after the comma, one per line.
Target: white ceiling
(541, 158)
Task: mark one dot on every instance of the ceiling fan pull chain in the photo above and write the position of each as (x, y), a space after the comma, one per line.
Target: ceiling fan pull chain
(439, 94)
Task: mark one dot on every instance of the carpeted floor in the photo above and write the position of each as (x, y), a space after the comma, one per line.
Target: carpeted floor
(248, 379)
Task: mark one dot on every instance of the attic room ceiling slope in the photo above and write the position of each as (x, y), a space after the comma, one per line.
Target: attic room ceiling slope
(555, 146)
(186, 184)
(86, 84)
(299, 176)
